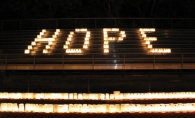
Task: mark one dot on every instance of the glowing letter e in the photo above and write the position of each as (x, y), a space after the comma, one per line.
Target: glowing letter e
(147, 40)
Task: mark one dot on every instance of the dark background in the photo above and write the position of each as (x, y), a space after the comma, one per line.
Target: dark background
(38, 9)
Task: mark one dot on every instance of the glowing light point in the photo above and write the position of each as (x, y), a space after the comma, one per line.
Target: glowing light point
(41, 33)
(65, 46)
(106, 46)
(106, 50)
(26, 51)
(150, 38)
(149, 46)
(147, 42)
(38, 36)
(67, 42)
(30, 47)
(33, 43)
(45, 51)
(50, 42)
(47, 47)
(85, 46)
(86, 42)
(44, 30)
(105, 42)
(57, 30)
(115, 29)
(54, 36)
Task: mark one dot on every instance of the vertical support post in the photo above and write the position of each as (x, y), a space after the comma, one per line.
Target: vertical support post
(154, 61)
(95, 23)
(63, 61)
(134, 23)
(152, 22)
(28, 83)
(149, 85)
(1, 81)
(38, 25)
(114, 22)
(88, 84)
(28, 86)
(34, 62)
(75, 22)
(123, 61)
(123, 66)
(93, 61)
(56, 23)
(172, 23)
(5, 62)
(181, 61)
(20, 24)
(1, 25)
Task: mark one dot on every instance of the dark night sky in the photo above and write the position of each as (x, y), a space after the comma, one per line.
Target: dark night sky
(28, 9)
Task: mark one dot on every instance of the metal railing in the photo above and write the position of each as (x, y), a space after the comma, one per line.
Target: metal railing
(69, 23)
(177, 60)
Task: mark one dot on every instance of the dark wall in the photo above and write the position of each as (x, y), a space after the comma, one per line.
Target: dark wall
(36, 9)
(98, 81)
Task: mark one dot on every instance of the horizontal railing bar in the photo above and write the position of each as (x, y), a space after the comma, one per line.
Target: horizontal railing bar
(111, 18)
(97, 58)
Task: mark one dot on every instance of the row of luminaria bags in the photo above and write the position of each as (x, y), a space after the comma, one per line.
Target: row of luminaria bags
(116, 95)
(98, 108)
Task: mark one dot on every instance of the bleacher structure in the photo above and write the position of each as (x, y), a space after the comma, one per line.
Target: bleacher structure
(73, 72)
(129, 53)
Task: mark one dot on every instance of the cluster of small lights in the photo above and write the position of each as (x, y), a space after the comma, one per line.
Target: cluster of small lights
(51, 42)
(160, 50)
(116, 95)
(98, 108)
(70, 39)
(147, 41)
(73, 51)
(107, 39)
(32, 49)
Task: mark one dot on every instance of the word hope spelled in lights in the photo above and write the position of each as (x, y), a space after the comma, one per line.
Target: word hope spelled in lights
(98, 108)
(147, 40)
(107, 39)
(40, 39)
(71, 37)
(51, 41)
(116, 95)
